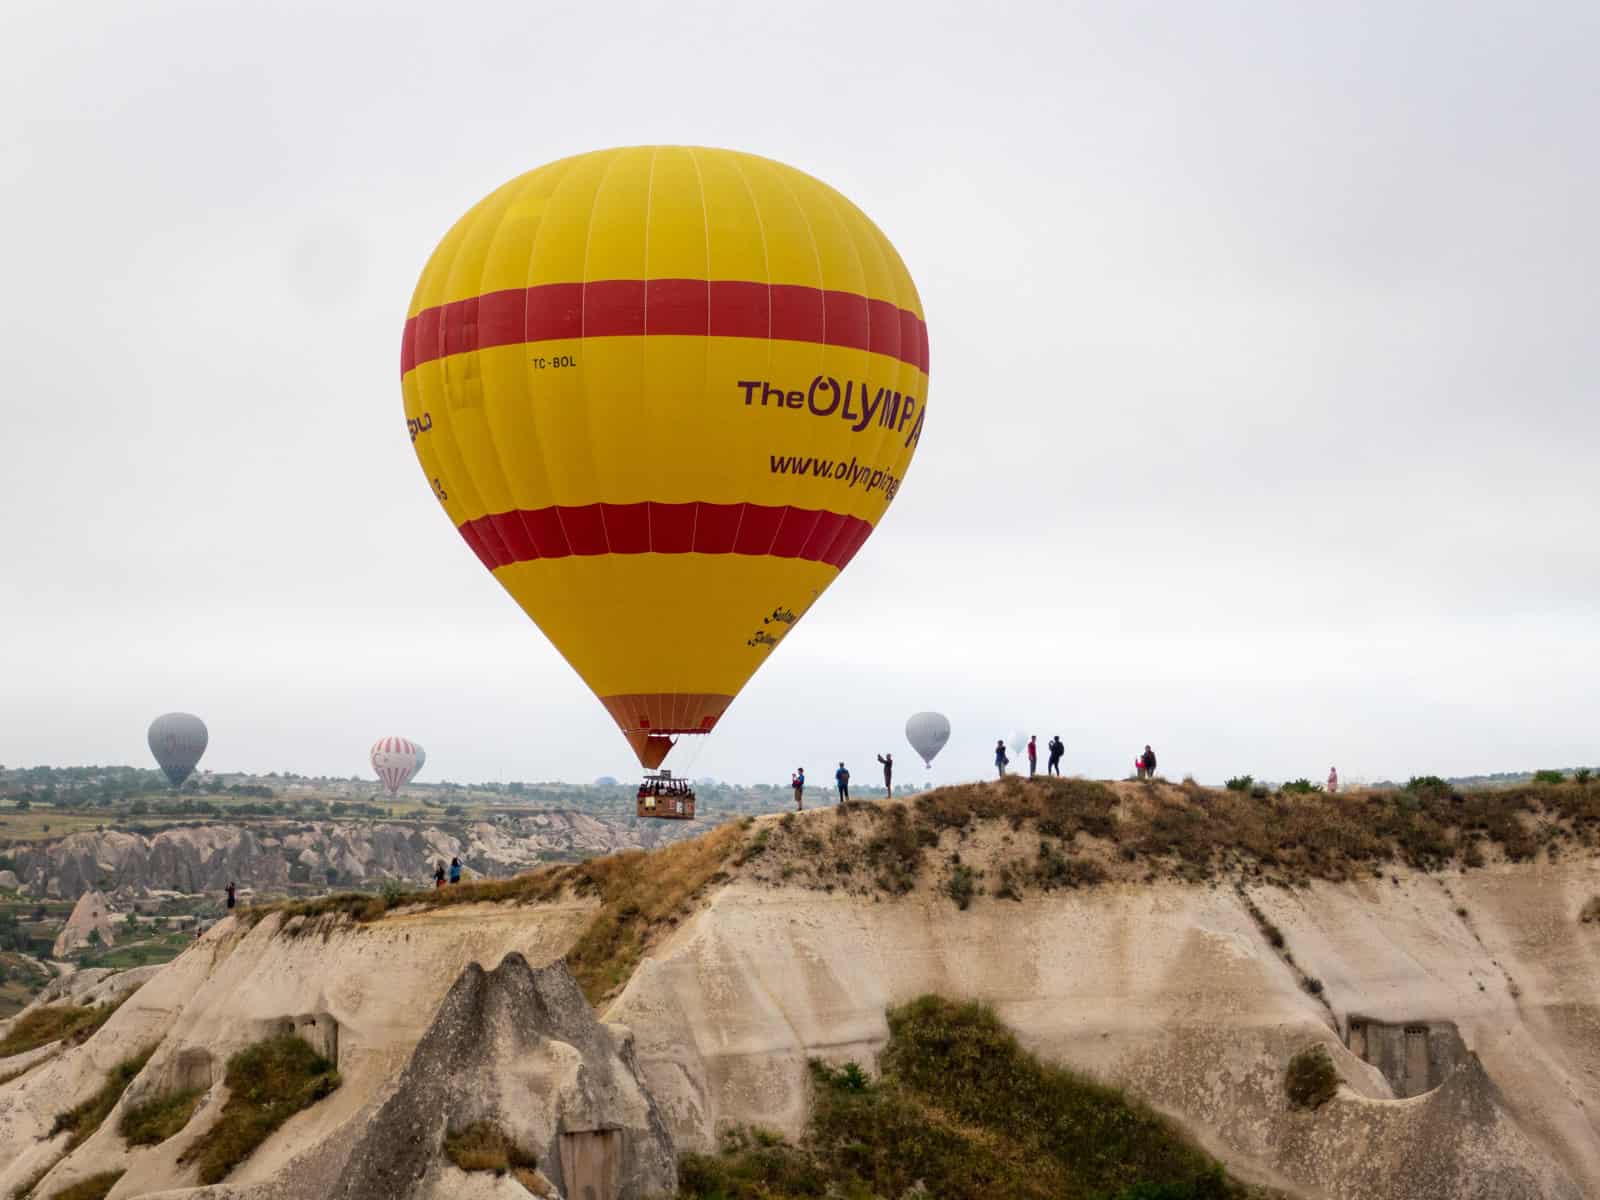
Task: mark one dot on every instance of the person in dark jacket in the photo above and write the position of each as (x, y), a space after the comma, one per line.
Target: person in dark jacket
(1057, 749)
(798, 782)
(231, 900)
(455, 870)
(842, 778)
(888, 773)
(438, 874)
(1148, 761)
(1001, 758)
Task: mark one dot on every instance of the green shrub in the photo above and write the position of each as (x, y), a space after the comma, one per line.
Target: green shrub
(1312, 1079)
(1300, 787)
(1240, 783)
(83, 1119)
(1549, 776)
(1582, 775)
(961, 1113)
(267, 1084)
(154, 1121)
(1428, 787)
(961, 886)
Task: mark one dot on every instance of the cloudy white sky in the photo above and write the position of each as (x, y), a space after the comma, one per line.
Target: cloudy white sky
(1263, 420)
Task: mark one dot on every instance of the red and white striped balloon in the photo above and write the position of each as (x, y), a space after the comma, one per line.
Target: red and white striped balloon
(396, 760)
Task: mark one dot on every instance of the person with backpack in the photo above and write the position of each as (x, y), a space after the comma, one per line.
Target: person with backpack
(842, 778)
(1001, 758)
(1148, 762)
(1057, 749)
(455, 870)
(1033, 755)
(888, 773)
(798, 782)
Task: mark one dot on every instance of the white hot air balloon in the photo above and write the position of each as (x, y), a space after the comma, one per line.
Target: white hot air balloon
(928, 732)
(1018, 743)
(396, 760)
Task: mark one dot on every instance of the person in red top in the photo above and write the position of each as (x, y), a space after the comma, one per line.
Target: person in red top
(1033, 755)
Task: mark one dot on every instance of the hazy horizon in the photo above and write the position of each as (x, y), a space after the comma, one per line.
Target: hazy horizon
(1262, 416)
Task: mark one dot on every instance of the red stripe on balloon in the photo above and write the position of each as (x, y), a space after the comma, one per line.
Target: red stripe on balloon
(668, 307)
(651, 527)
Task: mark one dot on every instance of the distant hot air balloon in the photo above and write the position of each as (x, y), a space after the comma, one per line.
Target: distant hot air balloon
(422, 760)
(928, 732)
(396, 760)
(665, 394)
(177, 740)
(1018, 743)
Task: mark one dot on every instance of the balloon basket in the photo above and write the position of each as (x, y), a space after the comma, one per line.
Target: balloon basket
(665, 797)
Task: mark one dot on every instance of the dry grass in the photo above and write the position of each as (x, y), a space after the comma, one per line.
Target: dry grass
(639, 895)
(154, 1121)
(54, 1023)
(96, 1187)
(267, 1084)
(83, 1119)
(484, 1146)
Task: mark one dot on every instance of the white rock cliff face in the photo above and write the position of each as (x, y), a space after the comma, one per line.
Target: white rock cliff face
(1174, 993)
(1169, 990)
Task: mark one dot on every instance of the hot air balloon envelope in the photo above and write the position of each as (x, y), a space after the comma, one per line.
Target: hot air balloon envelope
(928, 732)
(177, 740)
(665, 394)
(395, 760)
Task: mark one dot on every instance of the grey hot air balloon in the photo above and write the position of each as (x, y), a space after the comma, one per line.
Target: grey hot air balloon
(928, 732)
(177, 740)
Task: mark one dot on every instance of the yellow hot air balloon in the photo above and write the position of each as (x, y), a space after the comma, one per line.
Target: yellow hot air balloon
(665, 394)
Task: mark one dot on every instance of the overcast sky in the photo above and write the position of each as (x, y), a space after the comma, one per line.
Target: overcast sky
(1263, 417)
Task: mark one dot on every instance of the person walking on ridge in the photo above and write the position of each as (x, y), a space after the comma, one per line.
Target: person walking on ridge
(1033, 755)
(798, 782)
(455, 870)
(1148, 762)
(888, 773)
(1057, 749)
(1001, 758)
(842, 778)
(230, 896)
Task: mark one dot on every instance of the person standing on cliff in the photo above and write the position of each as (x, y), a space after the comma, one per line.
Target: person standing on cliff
(1148, 761)
(1033, 755)
(842, 778)
(888, 773)
(231, 900)
(455, 870)
(1057, 748)
(1001, 758)
(438, 874)
(798, 782)
(1333, 779)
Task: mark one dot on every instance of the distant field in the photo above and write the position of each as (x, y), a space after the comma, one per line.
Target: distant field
(159, 949)
(40, 822)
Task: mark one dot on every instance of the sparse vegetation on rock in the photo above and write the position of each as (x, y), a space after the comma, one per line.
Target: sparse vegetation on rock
(154, 1121)
(484, 1146)
(95, 1187)
(1312, 1079)
(267, 1084)
(961, 1113)
(83, 1119)
(54, 1023)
